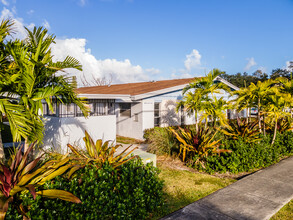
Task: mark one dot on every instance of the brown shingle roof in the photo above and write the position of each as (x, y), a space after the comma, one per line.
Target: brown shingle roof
(133, 88)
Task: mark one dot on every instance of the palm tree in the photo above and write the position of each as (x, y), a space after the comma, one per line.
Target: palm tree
(276, 104)
(196, 93)
(207, 84)
(216, 109)
(257, 96)
(15, 114)
(36, 78)
(193, 103)
(286, 87)
(242, 101)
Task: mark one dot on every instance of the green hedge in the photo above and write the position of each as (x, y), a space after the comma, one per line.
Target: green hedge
(249, 156)
(132, 192)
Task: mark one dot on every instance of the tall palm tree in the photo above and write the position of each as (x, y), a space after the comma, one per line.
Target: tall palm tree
(216, 109)
(35, 77)
(193, 103)
(276, 104)
(242, 100)
(286, 87)
(15, 114)
(198, 92)
(257, 96)
(207, 84)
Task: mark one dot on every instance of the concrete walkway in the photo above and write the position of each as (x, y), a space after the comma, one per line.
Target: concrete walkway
(257, 196)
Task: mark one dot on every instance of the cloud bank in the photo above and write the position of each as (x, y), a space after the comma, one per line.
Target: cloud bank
(120, 71)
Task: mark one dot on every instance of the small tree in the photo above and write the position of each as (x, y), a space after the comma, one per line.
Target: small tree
(36, 78)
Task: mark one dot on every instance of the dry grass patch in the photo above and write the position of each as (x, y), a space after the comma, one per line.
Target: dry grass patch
(128, 140)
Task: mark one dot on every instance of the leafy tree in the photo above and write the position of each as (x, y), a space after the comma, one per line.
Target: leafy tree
(276, 73)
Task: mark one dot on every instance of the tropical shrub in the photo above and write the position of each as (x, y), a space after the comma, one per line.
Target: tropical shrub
(19, 175)
(98, 153)
(241, 128)
(201, 144)
(247, 156)
(131, 192)
(284, 124)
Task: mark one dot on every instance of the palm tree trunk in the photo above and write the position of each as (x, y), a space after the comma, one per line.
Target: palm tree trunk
(258, 115)
(26, 144)
(2, 155)
(264, 125)
(247, 115)
(275, 130)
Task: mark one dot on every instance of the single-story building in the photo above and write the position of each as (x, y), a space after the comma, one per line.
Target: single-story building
(140, 106)
(122, 109)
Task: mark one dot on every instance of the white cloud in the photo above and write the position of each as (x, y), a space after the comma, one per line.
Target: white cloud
(181, 76)
(46, 24)
(4, 2)
(250, 64)
(153, 71)
(192, 60)
(121, 71)
(18, 23)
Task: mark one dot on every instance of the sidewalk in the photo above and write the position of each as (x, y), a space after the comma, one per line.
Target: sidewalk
(256, 197)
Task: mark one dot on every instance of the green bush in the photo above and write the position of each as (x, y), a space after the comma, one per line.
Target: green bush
(131, 192)
(248, 156)
(161, 141)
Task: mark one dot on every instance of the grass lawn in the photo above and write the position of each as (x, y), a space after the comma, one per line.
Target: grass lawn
(284, 213)
(127, 140)
(183, 187)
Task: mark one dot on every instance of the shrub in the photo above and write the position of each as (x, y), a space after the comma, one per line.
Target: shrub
(248, 156)
(132, 192)
(241, 128)
(201, 143)
(161, 141)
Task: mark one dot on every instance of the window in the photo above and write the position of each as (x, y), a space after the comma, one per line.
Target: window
(125, 109)
(111, 108)
(157, 118)
(96, 106)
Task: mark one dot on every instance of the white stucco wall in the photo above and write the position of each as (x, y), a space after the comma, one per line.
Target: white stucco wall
(61, 131)
(127, 126)
(147, 114)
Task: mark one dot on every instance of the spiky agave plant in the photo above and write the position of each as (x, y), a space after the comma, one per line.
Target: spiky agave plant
(241, 128)
(99, 153)
(20, 175)
(201, 143)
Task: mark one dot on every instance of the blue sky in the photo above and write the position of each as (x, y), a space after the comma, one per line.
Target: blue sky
(138, 40)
